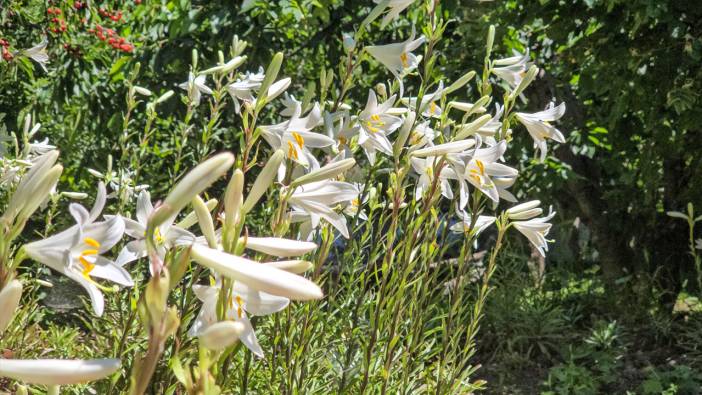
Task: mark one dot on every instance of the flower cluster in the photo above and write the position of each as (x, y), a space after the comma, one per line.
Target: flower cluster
(428, 141)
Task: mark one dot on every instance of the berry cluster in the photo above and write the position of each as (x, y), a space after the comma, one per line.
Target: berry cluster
(58, 24)
(112, 38)
(6, 54)
(115, 16)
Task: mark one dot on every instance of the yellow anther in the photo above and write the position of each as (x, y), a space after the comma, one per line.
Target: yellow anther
(432, 108)
(239, 309)
(300, 141)
(371, 128)
(342, 141)
(87, 266)
(356, 202)
(375, 117)
(158, 236)
(89, 252)
(292, 152)
(92, 242)
(403, 58)
(481, 166)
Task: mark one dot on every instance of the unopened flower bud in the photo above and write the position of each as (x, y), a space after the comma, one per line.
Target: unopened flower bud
(348, 42)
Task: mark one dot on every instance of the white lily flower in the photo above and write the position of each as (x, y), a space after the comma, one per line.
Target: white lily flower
(221, 335)
(538, 126)
(241, 89)
(195, 85)
(398, 57)
(464, 226)
(425, 168)
(395, 7)
(41, 147)
(38, 53)
(536, 230)
(295, 137)
(427, 107)
(317, 199)
(75, 252)
(9, 300)
(483, 165)
(167, 235)
(502, 184)
(255, 275)
(512, 69)
(291, 104)
(57, 371)
(342, 127)
(353, 207)
(376, 125)
(242, 300)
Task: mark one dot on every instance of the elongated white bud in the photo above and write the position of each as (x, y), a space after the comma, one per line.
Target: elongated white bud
(205, 220)
(404, 133)
(57, 371)
(9, 300)
(326, 172)
(233, 198)
(526, 210)
(221, 335)
(29, 183)
(460, 83)
(277, 246)
(196, 181)
(524, 206)
(264, 180)
(40, 192)
(443, 149)
(165, 97)
(75, 195)
(278, 88)
(490, 40)
(255, 275)
(142, 91)
(524, 83)
(227, 67)
(526, 214)
(191, 218)
(473, 127)
(294, 266)
(270, 76)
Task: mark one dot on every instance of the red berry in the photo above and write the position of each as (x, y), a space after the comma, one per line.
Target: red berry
(127, 47)
(6, 54)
